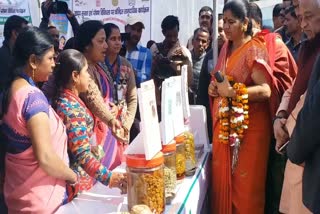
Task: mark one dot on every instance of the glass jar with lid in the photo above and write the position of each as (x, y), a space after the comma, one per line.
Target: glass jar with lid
(146, 182)
(190, 153)
(170, 177)
(180, 156)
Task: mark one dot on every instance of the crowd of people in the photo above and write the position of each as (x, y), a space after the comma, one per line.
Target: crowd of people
(68, 115)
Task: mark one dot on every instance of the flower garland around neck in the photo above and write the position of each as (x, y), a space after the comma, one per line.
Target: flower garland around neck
(234, 115)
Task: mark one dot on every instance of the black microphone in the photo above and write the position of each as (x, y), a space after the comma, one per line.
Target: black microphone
(218, 76)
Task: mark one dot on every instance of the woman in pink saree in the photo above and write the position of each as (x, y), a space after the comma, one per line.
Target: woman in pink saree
(36, 160)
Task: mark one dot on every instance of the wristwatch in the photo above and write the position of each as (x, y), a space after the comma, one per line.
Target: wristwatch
(277, 117)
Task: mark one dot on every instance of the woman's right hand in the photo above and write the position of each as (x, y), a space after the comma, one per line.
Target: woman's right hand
(280, 133)
(119, 180)
(117, 131)
(73, 187)
(212, 89)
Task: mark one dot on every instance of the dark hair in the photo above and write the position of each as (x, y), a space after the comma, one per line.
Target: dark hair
(277, 10)
(205, 9)
(240, 10)
(150, 43)
(69, 44)
(52, 27)
(200, 29)
(169, 23)
(13, 23)
(86, 33)
(255, 13)
(108, 28)
(290, 10)
(30, 41)
(68, 61)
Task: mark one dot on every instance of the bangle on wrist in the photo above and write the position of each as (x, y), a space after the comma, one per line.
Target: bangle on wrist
(109, 178)
(277, 117)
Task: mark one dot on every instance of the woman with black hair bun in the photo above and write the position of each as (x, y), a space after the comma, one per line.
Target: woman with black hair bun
(90, 40)
(36, 161)
(241, 116)
(123, 92)
(72, 78)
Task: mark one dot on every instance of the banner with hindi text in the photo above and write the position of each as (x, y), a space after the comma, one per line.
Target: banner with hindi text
(115, 11)
(12, 7)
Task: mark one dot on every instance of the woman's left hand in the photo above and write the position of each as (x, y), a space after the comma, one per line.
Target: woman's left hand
(225, 89)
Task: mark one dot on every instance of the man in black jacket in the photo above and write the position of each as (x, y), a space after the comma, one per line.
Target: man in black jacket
(304, 146)
(12, 28)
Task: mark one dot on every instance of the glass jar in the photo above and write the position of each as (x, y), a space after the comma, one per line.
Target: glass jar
(190, 153)
(180, 156)
(146, 182)
(170, 177)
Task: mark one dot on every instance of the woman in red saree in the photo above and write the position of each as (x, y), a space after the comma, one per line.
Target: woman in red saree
(245, 59)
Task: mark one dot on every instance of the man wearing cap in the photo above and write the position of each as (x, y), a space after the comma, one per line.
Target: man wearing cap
(140, 57)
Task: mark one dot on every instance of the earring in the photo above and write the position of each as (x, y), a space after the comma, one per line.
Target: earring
(33, 74)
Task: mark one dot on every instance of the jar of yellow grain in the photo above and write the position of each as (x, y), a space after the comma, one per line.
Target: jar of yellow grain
(146, 182)
(180, 156)
(190, 153)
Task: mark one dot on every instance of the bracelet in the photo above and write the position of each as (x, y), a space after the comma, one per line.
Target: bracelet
(108, 178)
(275, 118)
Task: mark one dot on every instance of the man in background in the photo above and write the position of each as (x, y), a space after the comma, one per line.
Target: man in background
(12, 27)
(140, 57)
(292, 24)
(205, 21)
(200, 43)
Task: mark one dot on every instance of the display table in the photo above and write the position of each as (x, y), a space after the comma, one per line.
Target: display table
(191, 193)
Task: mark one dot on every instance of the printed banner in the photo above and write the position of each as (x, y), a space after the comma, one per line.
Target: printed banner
(12, 7)
(115, 11)
(61, 22)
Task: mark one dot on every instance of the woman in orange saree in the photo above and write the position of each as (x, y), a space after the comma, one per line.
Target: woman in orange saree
(241, 188)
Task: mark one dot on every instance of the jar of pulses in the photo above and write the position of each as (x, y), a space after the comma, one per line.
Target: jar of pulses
(170, 177)
(190, 153)
(180, 156)
(146, 182)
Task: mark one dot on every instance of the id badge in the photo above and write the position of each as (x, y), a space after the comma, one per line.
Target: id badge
(120, 92)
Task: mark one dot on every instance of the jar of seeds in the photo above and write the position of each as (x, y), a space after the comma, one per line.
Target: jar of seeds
(170, 177)
(146, 182)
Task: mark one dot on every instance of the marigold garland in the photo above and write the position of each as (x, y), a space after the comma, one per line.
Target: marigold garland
(234, 115)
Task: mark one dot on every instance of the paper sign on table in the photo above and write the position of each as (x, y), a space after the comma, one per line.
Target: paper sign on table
(184, 92)
(136, 146)
(167, 108)
(150, 130)
(178, 124)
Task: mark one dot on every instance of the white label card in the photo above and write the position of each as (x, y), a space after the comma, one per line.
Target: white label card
(167, 108)
(178, 124)
(184, 92)
(150, 130)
